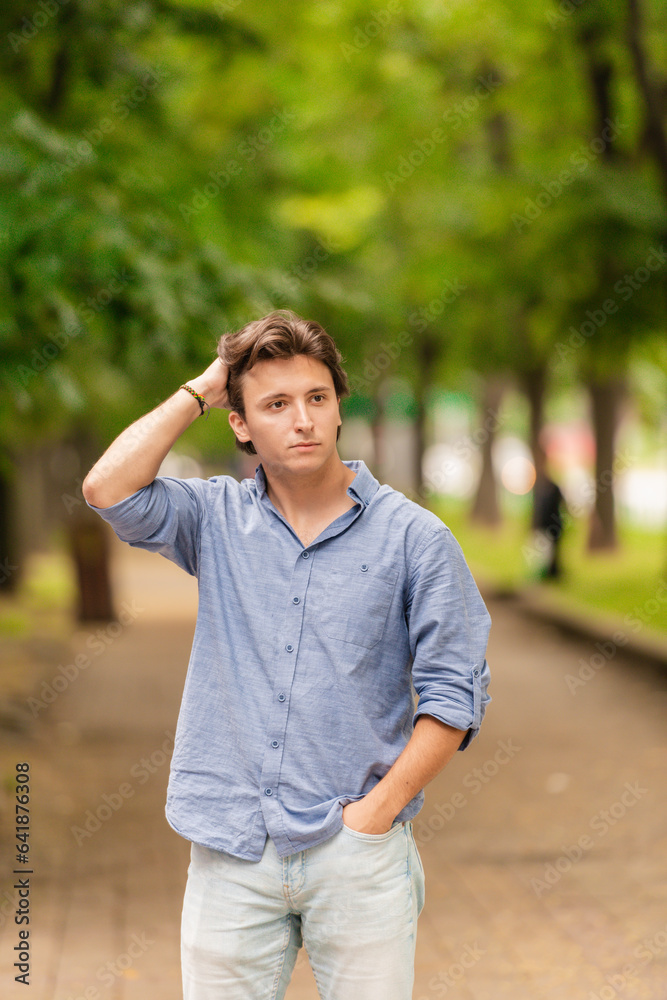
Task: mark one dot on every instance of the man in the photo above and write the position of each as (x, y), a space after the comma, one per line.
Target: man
(547, 518)
(299, 758)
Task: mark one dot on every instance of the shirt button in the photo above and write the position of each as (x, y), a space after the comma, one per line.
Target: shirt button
(476, 672)
(275, 743)
(364, 567)
(268, 791)
(295, 600)
(305, 555)
(281, 697)
(289, 647)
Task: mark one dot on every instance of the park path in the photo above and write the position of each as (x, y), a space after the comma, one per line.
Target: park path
(544, 844)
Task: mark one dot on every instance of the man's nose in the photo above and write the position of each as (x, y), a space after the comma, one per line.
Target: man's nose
(302, 417)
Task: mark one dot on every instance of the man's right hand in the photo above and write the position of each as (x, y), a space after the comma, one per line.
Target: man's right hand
(212, 385)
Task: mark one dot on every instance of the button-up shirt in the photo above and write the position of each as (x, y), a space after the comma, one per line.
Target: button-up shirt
(300, 690)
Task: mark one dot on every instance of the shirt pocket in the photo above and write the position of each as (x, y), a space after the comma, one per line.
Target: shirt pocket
(359, 598)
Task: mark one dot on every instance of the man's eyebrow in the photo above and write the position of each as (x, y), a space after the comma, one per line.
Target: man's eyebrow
(278, 392)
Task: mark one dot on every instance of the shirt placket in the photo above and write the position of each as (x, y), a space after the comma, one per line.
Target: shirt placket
(288, 649)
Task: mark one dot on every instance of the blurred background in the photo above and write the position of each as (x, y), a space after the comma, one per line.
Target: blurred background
(471, 198)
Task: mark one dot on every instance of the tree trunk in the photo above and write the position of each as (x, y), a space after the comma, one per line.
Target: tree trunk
(486, 508)
(655, 129)
(27, 510)
(600, 73)
(88, 537)
(89, 544)
(605, 405)
(426, 355)
(10, 562)
(534, 387)
(61, 63)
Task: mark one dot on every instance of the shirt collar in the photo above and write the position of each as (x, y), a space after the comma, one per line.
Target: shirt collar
(363, 487)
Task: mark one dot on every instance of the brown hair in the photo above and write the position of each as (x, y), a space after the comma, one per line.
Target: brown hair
(281, 334)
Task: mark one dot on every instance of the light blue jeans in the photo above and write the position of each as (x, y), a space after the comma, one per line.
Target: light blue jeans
(352, 901)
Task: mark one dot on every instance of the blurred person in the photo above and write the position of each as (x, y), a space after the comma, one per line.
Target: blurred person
(547, 519)
(300, 759)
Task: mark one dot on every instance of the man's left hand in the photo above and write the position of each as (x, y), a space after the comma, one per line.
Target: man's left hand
(358, 816)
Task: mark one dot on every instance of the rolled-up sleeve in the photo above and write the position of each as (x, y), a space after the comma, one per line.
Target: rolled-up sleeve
(165, 516)
(448, 626)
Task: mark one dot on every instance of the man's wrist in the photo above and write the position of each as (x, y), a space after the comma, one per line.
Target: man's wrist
(200, 385)
(182, 398)
(382, 803)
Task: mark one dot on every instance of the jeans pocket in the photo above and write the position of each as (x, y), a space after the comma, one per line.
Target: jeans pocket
(377, 837)
(417, 871)
(416, 853)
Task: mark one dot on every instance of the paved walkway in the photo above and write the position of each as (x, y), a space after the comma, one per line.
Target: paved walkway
(544, 844)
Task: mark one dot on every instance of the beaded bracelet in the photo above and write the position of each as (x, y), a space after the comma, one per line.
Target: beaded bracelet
(200, 399)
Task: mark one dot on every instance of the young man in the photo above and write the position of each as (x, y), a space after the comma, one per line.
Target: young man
(299, 758)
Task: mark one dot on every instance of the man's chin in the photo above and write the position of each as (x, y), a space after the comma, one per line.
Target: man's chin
(297, 459)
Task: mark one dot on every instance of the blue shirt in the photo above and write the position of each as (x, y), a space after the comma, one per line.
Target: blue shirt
(299, 692)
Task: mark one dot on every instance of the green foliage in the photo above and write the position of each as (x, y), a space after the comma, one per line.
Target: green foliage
(415, 174)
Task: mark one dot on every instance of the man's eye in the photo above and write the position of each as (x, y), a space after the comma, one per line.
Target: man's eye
(318, 396)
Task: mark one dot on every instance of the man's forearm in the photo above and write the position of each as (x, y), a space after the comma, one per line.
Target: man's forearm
(430, 748)
(134, 458)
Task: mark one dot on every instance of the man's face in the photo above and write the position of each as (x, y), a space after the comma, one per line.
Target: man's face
(291, 413)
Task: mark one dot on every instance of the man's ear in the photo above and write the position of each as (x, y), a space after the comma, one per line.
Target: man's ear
(238, 425)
